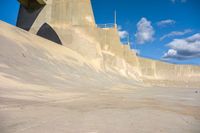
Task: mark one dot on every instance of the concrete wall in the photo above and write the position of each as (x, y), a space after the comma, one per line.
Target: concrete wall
(73, 21)
(164, 71)
(143, 68)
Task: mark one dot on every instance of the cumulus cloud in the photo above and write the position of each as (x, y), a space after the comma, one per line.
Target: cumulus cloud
(183, 49)
(166, 22)
(182, 1)
(176, 33)
(122, 33)
(145, 31)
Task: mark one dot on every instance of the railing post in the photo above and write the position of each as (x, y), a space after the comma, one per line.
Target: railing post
(115, 19)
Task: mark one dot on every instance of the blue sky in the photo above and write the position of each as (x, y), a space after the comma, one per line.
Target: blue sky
(166, 30)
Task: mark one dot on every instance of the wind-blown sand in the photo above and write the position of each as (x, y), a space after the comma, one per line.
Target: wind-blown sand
(47, 88)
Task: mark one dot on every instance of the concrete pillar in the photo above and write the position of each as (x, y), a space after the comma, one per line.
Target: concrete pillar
(34, 13)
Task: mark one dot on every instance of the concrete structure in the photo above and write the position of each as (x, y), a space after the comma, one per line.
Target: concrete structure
(72, 24)
(56, 13)
(49, 88)
(89, 84)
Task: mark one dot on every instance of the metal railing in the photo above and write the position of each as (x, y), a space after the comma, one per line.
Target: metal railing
(108, 25)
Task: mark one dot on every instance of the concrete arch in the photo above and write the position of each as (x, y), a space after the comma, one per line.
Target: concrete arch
(47, 32)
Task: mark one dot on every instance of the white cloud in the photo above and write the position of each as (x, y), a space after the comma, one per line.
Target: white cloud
(122, 33)
(170, 53)
(182, 1)
(183, 49)
(176, 33)
(166, 22)
(145, 31)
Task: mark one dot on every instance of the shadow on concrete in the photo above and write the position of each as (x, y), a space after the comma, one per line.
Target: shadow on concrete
(47, 32)
(27, 17)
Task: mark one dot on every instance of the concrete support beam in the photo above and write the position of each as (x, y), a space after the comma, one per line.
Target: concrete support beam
(32, 3)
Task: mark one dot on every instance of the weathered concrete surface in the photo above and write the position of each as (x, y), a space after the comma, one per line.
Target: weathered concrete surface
(61, 13)
(90, 84)
(74, 23)
(48, 88)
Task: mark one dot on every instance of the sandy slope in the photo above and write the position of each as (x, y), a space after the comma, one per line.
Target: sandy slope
(47, 88)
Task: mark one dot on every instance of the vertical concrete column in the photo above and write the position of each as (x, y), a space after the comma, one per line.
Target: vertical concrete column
(34, 13)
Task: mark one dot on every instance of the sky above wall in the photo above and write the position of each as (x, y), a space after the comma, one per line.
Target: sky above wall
(167, 30)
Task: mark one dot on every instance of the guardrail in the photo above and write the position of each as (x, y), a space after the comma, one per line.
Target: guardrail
(108, 25)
